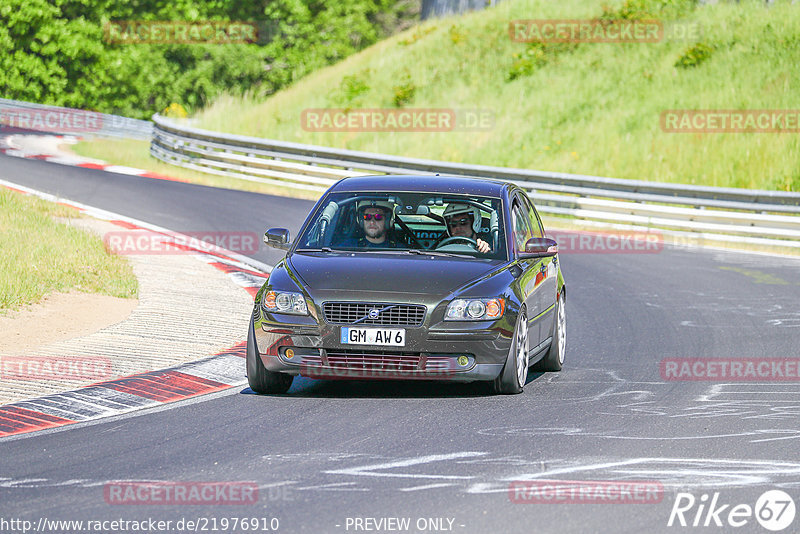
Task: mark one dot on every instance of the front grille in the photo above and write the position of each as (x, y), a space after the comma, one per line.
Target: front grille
(388, 314)
(439, 363)
(313, 359)
(347, 363)
(373, 361)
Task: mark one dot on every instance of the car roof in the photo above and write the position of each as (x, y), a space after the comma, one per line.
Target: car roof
(426, 184)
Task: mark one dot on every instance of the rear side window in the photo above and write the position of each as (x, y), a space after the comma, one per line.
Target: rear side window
(533, 217)
(522, 227)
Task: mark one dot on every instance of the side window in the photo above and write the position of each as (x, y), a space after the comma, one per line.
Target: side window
(533, 217)
(345, 225)
(522, 228)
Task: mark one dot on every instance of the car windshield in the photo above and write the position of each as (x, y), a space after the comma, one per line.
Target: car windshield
(464, 225)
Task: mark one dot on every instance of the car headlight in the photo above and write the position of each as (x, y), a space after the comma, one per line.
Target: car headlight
(285, 302)
(474, 309)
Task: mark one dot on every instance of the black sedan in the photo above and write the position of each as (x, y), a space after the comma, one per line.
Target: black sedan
(411, 277)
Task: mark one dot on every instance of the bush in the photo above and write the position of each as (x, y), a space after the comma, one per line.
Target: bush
(55, 52)
(537, 54)
(404, 93)
(694, 56)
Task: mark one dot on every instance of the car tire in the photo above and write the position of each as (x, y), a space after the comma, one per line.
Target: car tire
(262, 380)
(512, 378)
(554, 360)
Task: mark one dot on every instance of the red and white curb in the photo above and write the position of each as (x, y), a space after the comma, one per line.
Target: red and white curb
(105, 399)
(10, 147)
(115, 397)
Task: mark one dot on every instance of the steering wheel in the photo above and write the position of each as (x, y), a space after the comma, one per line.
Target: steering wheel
(467, 240)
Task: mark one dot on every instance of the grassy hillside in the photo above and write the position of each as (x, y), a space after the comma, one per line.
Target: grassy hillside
(585, 108)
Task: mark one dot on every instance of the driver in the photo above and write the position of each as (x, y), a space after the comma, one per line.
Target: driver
(464, 220)
(376, 218)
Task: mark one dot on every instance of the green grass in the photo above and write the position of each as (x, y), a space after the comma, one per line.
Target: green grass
(587, 109)
(41, 255)
(134, 153)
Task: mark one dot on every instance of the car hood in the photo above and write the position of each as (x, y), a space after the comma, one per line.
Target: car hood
(377, 272)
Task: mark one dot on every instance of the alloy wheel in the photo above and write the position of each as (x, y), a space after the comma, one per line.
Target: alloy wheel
(522, 353)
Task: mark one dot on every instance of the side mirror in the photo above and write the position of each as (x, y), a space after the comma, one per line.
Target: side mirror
(277, 238)
(540, 247)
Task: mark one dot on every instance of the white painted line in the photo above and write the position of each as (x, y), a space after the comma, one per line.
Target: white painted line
(737, 393)
(335, 486)
(119, 169)
(369, 470)
(277, 484)
(427, 486)
(64, 160)
(22, 483)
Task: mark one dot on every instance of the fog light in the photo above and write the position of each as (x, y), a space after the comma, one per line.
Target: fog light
(289, 353)
(463, 361)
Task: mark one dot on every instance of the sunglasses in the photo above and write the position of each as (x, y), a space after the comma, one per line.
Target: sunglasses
(376, 216)
(459, 222)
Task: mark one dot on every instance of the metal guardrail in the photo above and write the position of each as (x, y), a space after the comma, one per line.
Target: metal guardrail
(18, 115)
(722, 214)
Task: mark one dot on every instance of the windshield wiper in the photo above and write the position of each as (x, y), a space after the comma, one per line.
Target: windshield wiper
(433, 253)
(323, 249)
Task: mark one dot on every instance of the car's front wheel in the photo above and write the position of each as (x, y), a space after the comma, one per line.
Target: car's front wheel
(512, 378)
(261, 379)
(554, 359)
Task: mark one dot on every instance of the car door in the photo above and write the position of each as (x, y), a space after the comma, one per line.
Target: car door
(547, 277)
(521, 232)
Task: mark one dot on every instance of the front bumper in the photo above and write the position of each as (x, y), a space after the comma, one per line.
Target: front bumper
(459, 352)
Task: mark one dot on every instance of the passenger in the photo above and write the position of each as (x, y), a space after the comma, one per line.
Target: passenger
(464, 220)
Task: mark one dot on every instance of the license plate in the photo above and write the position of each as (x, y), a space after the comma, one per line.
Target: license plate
(394, 337)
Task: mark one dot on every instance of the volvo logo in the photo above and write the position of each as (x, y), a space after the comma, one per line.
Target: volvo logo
(373, 313)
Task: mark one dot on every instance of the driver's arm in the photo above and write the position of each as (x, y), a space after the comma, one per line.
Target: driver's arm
(483, 246)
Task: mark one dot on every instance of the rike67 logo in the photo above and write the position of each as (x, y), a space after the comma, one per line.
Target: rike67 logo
(774, 510)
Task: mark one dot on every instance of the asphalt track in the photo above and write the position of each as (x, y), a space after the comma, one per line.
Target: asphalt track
(332, 451)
